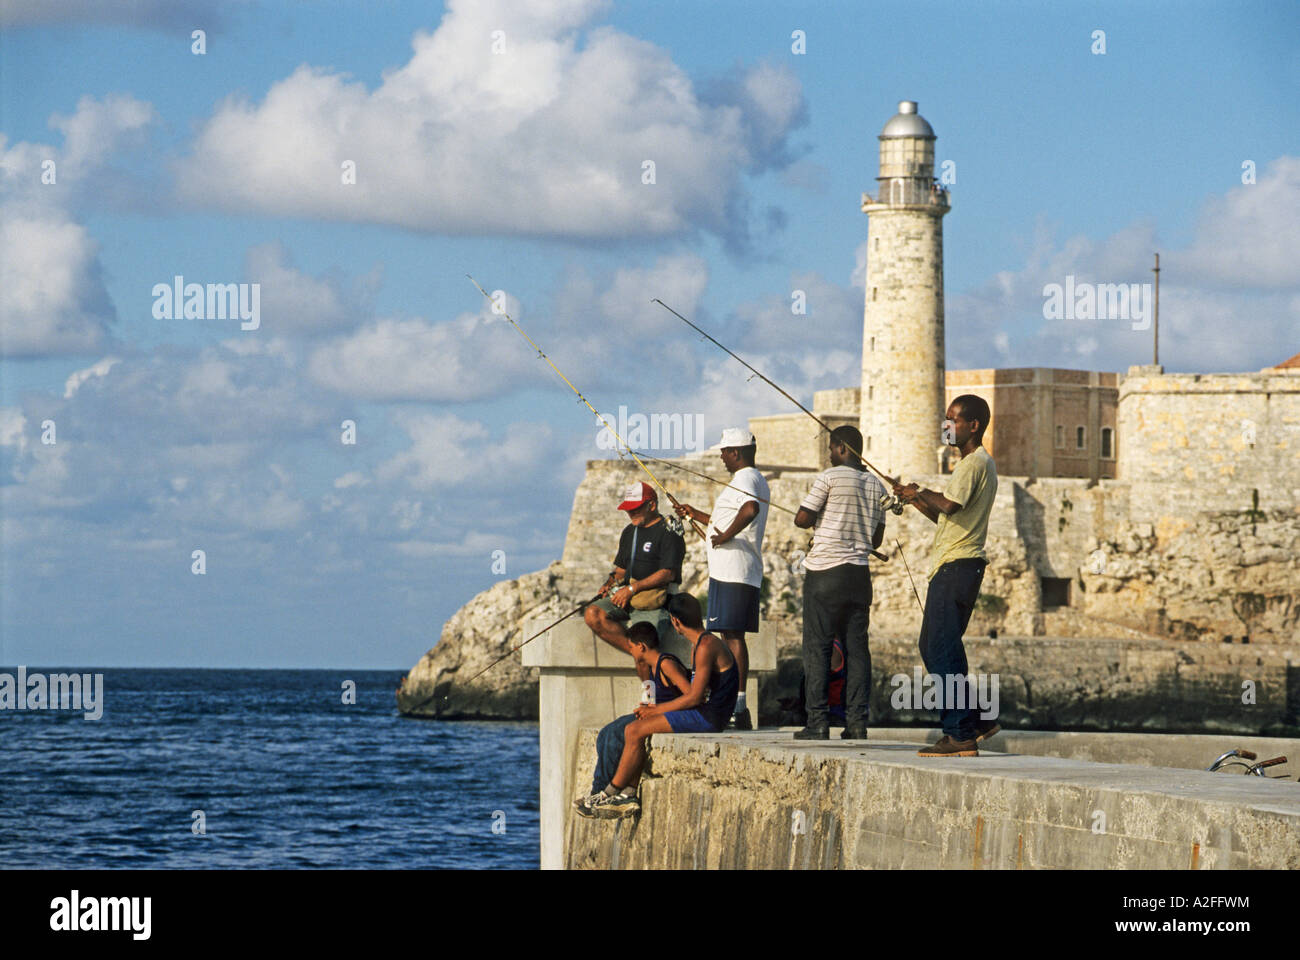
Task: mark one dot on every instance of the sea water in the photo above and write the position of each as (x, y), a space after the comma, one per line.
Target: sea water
(224, 769)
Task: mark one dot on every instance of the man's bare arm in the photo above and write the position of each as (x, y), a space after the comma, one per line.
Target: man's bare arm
(659, 578)
(675, 674)
(805, 518)
(744, 517)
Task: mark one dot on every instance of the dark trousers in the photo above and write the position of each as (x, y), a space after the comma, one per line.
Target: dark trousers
(609, 751)
(837, 603)
(948, 606)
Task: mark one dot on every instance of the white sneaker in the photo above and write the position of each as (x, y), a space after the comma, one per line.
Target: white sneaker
(619, 805)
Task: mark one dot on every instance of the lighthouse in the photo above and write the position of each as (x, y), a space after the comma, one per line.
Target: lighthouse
(902, 342)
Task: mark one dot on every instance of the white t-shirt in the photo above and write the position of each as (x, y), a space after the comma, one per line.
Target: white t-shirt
(740, 559)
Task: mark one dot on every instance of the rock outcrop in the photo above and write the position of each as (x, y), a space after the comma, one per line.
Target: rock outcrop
(478, 633)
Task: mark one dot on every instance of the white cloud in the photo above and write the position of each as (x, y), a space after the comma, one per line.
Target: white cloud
(353, 478)
(467, 358)
(477, 355)
(97, 129)
(543, 138)
(79, 377)
(1250, 237)
(1230, 300)
(52, 293)
(12, 427)
(292, 301)
(447, 450)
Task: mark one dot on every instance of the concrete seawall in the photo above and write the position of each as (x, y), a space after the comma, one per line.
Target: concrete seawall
(761, 800)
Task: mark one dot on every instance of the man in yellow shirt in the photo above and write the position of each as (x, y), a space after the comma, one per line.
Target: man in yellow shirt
(957, 562)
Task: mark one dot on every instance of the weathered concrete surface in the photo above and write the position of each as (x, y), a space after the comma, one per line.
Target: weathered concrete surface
(763, 801)
(1188, 751)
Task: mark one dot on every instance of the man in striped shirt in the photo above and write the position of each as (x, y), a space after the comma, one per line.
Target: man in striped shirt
(843, 508)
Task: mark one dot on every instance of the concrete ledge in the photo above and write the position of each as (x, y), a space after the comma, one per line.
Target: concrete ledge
(1187, 751)
(763, 801)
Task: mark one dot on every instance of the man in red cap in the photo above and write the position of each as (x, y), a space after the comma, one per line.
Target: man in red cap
(648, 561)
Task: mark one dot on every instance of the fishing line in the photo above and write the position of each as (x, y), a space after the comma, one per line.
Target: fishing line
(824, 425)
(704, 476)
(446, 696)
(889, 502)
(599, 419)
(909, 577)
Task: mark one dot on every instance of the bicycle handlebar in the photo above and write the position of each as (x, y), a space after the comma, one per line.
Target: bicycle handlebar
(1270, 763)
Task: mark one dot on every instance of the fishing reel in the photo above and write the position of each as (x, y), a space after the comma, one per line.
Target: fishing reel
(891, 503)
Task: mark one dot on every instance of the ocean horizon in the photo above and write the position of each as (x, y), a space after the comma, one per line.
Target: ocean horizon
(229, 768)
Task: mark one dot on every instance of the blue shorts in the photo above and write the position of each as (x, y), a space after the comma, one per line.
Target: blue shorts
(732, 606)
(693, 721)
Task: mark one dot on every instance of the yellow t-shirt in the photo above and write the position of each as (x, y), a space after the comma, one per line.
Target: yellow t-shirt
(973, 484)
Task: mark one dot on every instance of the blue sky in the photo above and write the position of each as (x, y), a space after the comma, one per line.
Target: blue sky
(523, 166)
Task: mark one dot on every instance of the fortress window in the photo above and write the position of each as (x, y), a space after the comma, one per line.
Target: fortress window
(1056, 592)
(1107, 450)
(1078, 438)
(868, 443)
(870, 392)
(873, 344)
(877, 243)
(873, 294)
(1060, 436)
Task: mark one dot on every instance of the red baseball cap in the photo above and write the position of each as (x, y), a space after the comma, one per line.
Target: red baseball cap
(637, 494)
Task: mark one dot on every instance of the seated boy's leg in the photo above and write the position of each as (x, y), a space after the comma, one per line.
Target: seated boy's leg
(609, 750)
(634, 737)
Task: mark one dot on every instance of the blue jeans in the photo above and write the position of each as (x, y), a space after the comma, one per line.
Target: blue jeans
(609, 751)
(948, 605)
(837, 603)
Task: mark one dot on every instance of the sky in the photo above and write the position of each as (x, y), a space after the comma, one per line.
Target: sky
(353, 162)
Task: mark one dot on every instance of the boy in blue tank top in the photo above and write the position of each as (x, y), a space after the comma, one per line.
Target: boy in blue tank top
(704, 708)
(670, 679)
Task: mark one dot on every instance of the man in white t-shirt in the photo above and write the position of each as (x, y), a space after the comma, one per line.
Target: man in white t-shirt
(735, 551)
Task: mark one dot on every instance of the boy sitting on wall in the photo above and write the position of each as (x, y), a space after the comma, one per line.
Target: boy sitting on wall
(669, 676)
(705, 708)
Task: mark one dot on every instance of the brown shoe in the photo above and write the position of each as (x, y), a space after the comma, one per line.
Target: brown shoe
(948, 747)
(986, 728)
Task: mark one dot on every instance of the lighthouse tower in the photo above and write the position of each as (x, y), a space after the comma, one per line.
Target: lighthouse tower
(902, 343)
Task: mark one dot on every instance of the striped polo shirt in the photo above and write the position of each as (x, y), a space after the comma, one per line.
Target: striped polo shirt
(847, 503)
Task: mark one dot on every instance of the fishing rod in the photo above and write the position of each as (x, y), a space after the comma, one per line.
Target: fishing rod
(585, 603)
(889, 502)
(675, 502)
(824, 425)
(704, 476)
